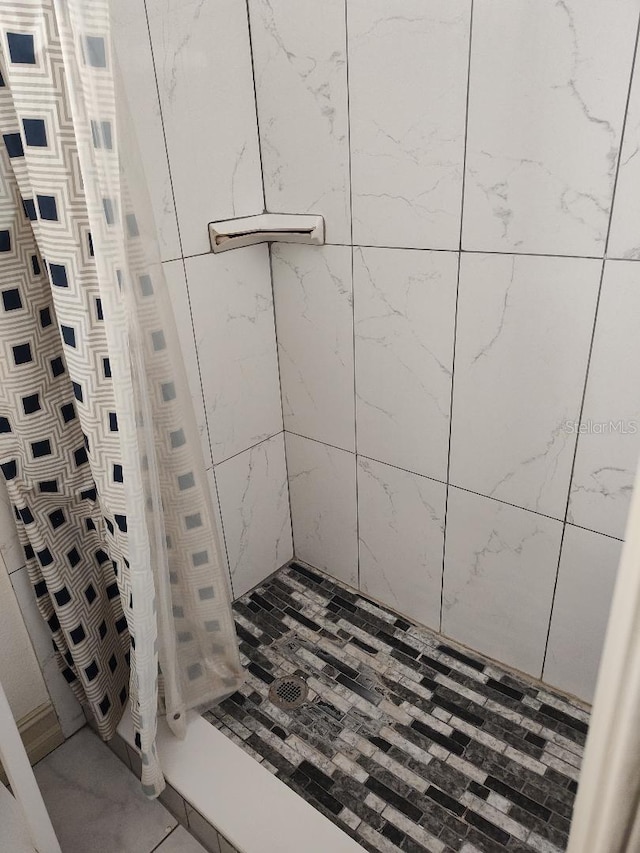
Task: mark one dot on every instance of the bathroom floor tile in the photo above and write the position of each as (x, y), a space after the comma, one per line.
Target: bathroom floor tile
(96, 803)
(406, 741)
(180, 842)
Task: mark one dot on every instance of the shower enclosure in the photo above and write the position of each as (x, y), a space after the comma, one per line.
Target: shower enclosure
(433, 415)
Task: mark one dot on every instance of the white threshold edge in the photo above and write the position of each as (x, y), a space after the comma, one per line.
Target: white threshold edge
(246, 803)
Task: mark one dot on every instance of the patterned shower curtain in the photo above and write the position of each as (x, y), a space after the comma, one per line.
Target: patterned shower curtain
(98, 444)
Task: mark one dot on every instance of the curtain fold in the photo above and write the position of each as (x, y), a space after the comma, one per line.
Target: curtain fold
(98, 442)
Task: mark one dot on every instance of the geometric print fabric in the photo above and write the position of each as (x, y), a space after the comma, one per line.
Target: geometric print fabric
(98, 445)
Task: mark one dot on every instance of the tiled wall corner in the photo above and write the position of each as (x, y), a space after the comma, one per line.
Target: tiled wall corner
(254, 498)
(314, 319)
(322, 481)
(203, 66)
(299, 55)
(232, 307)
(471, 362)
(188, 75)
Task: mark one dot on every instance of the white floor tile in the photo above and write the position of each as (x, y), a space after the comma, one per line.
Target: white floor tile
(95, 803)
(180, 841)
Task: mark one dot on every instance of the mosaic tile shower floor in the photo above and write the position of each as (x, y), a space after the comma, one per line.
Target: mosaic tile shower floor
(405, 742)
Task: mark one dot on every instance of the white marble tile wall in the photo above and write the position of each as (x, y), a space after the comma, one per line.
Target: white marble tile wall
(404, 304)
(322, 481)
(314, 318)
(188, 75)
(232, 310)
(407, 92)
(499, 573)
(522, 345)
(548, 89)
(580, 610)
(254, 499)
(401, 530)
(202, 62)
(608, 449)
(497, 138)
(299, 55)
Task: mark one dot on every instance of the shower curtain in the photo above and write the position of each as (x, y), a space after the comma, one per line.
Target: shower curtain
(98, 444)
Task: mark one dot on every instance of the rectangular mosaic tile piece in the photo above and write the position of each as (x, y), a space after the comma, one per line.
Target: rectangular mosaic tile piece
(405, 741)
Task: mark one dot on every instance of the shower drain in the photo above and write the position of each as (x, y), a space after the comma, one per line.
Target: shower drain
(288, 692)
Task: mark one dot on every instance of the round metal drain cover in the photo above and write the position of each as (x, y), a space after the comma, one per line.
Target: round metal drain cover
(288, 692)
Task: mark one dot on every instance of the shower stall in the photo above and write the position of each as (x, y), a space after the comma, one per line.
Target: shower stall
(420, 437)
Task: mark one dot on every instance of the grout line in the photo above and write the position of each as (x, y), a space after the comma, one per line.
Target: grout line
(168, 835)
(353, 293)
(255, 104)
(206, 424)
(452, 485)
(164, 132)
(246, 449)
(271, 277)
(593, 335)
(479, 252)
(284, 443)
(450, 251)
(446, 251)
(455, 321)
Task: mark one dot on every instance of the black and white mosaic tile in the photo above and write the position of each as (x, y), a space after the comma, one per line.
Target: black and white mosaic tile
(406, 742)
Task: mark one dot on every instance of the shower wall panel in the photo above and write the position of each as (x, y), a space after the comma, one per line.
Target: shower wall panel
(480, 144)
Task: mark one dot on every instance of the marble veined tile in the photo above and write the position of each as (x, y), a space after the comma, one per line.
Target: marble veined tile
(404, 319)
(407, 88)
(313, 297)
(588, 569)
(96, 803)
(624, 239)
(548, 88)
(322, 481)
(401, 529)
(609, 444)
(499, 573)
(299, 55)
(522, 345)
(203, 66)
(254, 501)
(232, 309)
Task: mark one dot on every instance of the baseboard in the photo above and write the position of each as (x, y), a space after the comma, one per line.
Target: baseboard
(40, 732)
